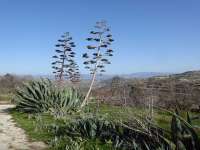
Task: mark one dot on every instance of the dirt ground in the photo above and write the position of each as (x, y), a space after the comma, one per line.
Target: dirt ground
(13, 137)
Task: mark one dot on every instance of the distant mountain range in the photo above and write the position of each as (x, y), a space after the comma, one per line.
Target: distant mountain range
(145, 74)
(140, 75)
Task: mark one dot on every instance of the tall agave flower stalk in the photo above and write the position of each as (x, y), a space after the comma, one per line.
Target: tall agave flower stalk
(64, 65)
(75, 74)
(98, 52)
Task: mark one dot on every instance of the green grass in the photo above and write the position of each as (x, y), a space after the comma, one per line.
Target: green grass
(28, 123)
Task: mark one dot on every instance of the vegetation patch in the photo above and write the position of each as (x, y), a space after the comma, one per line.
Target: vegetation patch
(28, 123)
(90, 129)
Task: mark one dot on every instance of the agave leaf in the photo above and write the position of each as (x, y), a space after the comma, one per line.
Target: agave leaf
(189, 119)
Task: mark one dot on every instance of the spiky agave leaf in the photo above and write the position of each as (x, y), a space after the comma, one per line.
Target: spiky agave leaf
(186, 133)
(42, 96)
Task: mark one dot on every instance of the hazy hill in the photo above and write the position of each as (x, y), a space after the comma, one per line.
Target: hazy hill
(144, 75)
(181, 90)
(192, 75)
(189, 75)
(140, 75)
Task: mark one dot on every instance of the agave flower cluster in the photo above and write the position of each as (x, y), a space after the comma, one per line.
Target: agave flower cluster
(64, 65)
(99, 50)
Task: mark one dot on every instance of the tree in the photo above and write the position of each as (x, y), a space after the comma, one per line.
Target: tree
(64, 65)
(97, 57)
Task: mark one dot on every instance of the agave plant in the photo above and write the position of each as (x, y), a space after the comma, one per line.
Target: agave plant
(137, 134)
(65, 101)
(43, 96)
(34, 96)
(183, 133)
(120, 136)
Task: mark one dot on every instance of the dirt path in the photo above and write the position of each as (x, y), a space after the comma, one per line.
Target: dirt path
(12, 137)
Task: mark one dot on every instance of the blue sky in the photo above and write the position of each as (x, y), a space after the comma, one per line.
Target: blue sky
(150, 35)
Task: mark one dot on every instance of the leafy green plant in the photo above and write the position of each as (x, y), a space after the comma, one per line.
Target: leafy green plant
(136, 134)
(34, 96)
(119, 135)
(65, 101)
(183, 133)
(43, 96)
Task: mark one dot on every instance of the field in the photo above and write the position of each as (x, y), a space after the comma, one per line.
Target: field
(116, 113)
(55, 116)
